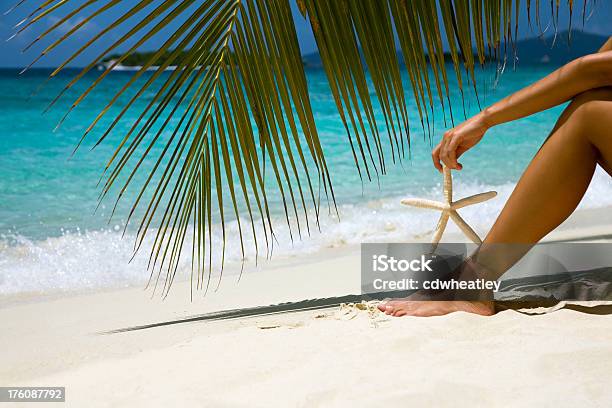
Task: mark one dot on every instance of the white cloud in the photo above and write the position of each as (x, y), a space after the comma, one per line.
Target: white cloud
(70, 24)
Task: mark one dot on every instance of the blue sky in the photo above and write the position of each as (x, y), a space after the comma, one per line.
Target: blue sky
(12, 56)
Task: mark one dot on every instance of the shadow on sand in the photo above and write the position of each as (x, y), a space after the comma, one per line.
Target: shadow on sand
(334, 302)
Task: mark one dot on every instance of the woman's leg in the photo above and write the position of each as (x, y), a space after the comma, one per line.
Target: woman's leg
(557, 178)
(547, 193)
(554, 183)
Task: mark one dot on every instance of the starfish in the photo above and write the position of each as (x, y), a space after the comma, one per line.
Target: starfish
(449, 209)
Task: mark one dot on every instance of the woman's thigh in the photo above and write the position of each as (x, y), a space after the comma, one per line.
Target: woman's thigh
(557, 178)
(591, 114)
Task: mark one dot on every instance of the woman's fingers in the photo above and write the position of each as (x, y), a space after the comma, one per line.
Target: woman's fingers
(457, 141)
(453, 153)
(449, 153)
(435, 157)
(445, 156)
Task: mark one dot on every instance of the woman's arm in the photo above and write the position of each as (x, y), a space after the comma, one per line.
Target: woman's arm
(580, 75)
(607, 46)
(583, 74)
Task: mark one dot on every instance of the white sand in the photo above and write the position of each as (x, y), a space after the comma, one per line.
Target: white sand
(308, 358)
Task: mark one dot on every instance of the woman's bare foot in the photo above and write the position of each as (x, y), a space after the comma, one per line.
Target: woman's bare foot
(404, 307)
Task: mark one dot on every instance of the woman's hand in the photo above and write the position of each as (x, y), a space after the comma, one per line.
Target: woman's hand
(457, 141)
(581, 75)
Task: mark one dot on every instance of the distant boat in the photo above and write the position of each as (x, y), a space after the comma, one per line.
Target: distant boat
(110, 64)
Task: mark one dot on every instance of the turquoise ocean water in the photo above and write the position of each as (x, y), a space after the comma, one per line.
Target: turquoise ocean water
(50, 238)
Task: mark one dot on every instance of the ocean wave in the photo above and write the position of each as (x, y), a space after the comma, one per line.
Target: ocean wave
(103, 259)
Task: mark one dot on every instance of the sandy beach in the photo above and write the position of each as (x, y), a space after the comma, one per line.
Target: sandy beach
(323, 356)
(206, 204)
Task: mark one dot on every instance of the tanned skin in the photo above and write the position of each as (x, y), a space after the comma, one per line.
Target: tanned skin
(558, 176)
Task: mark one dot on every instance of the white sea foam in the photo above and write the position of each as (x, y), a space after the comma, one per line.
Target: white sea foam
(100, 259)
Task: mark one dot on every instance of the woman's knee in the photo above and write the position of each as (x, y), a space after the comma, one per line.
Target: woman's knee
(590, 112)
(597, 94)
(591, 121)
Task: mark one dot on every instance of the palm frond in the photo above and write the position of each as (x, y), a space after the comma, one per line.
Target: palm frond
(234, 118)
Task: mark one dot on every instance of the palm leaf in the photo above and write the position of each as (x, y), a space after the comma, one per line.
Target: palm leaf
(234, 119)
